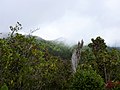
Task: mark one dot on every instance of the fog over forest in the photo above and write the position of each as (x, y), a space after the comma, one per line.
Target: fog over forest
(59, 45)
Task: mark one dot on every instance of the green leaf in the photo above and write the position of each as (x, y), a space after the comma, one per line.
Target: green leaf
(4, 87)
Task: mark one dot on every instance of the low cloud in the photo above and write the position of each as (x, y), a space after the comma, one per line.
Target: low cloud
(71, 19)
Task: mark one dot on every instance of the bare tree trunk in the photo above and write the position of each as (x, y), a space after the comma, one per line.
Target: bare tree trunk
(76, 56)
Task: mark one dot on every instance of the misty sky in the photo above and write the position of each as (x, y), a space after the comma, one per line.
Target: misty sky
(69, 19)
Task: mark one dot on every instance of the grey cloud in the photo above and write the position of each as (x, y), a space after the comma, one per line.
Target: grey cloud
(31, 12)
(72, 19)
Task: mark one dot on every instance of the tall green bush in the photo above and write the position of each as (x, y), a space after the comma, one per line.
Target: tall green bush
(87, 79)
(25, 64)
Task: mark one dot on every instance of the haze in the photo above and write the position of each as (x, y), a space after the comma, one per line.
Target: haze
(72, 20)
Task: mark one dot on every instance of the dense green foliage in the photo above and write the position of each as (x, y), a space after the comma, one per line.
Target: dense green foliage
(107, 60)
(58, 49)
(29, 63)
(87, 79)
(26, 64)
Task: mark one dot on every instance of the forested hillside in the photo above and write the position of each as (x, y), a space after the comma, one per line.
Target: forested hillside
(28, 63)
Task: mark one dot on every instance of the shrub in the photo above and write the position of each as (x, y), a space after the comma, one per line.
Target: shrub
(87, 79)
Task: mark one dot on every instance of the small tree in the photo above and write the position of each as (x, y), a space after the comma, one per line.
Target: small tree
(107, 60)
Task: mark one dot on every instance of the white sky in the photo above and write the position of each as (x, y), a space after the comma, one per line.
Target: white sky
(70, 19)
